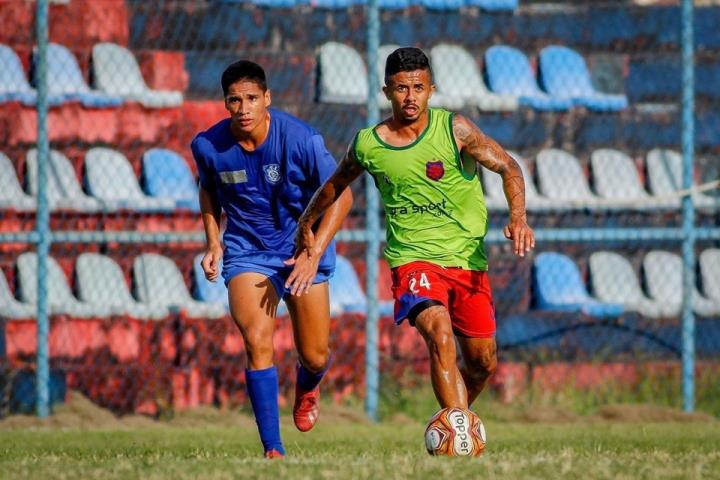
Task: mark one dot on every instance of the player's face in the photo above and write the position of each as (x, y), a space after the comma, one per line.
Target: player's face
(409, 93)
(247, 103)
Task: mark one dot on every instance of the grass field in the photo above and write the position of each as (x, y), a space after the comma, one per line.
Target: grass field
(79, 443)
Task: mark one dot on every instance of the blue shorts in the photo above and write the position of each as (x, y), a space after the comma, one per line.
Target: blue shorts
(276, 275)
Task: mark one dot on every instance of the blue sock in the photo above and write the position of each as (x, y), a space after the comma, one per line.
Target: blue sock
(308, 380)
(262, 386)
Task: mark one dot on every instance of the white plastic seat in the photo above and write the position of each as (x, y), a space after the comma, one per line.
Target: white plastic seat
(117, 73)
(561, 177)
(616, 178)
(60, 297)
(63, 189)
(663, 276)
(710, 273)
(495, 196)
(10, 307)
(14, 86)
(66, 82)
(613, 279)
(459, 82)
(12, 195)
(158, 281)
(343, 76)
(664, 169)
(384, 51)
(110, 178)
(100, 281)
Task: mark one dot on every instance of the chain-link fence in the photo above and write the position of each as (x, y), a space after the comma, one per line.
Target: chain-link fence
(586, 97)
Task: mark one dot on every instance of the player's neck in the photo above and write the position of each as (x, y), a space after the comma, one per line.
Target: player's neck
(408, 129)
(252, 140)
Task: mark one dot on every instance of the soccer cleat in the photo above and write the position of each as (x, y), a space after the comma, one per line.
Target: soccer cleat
(273, 454)
(306, 408)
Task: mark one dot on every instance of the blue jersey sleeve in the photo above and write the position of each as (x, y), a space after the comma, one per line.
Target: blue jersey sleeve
(206, 178)
(319, 164)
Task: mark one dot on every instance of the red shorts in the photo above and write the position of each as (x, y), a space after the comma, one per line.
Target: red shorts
(465, 293)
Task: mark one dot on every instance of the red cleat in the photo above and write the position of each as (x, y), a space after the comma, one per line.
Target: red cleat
(307, 408)
(273, 454)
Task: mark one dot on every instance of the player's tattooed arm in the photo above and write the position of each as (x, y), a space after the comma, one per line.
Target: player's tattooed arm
(347, 170)
(473, 143)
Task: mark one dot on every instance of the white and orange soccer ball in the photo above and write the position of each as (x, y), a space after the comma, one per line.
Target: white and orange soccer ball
(455, 432)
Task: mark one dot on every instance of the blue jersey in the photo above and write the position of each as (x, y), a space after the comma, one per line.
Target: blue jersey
(265, 191)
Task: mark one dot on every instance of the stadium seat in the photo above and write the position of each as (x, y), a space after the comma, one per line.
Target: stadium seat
(509, 73)
(564, 74)
(158, 281)
(12, 195)
(710, 273)
(383, 52)
(343, 76)
(66, 82)
(664, 280)
(101, 282)
(558, 286)
(459, 82)
(329, 4)
(14, 86)
(117, 73)
(494, 5)
(110, 178)
(616, 178)
(63, 189)
(561, 178)
(613, 280)
(495, 196)
(346, 294)
(664, 171)
(167, 175)
(442, 4)
(60, 297)
(10, 307)
(205, 290)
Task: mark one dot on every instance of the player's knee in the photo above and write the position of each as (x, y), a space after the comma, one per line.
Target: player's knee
(258, 345)
(315, 361)
(483, 365)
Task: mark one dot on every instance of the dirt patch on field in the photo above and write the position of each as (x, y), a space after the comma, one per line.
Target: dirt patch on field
(649, 413)
(80, 413)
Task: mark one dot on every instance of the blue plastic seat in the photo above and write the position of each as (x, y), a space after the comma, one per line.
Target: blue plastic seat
(564, 74)
(335, 3)
(66, 82)
(494, 5)
(14, 86)
(509, 72)
(442, 4)
(167, 175)
(346, 294)
(205, 290)
(558, 286)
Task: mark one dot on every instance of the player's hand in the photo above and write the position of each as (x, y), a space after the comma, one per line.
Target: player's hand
(211, 262)
(521, 235)
(305, 268)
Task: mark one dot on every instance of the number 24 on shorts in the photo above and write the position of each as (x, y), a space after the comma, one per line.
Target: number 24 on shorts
(413, 284)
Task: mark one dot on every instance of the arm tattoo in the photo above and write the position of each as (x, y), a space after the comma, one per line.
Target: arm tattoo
(347, 170)
(486, 151)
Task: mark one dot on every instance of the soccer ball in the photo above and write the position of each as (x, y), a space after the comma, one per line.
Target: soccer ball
(455, 432)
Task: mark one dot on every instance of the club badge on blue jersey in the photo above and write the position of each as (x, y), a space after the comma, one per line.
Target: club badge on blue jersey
(272, 173)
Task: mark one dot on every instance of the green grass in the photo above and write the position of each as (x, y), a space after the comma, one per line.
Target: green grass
(339, 449)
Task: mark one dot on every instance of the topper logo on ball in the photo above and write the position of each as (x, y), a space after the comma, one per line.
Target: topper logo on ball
(462, 438)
